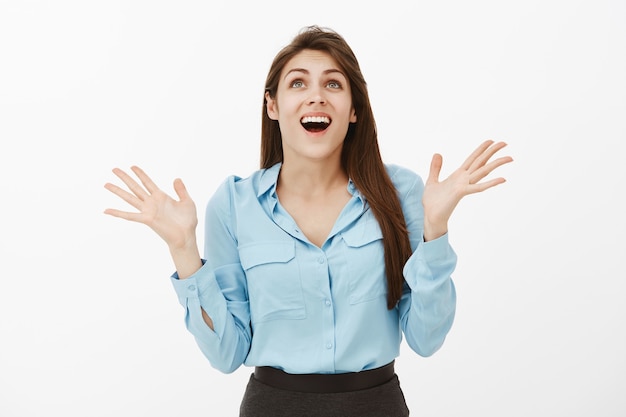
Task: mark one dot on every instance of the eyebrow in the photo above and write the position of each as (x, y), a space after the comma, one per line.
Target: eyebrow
(305, 71)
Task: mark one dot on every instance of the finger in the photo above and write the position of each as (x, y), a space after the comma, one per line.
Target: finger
(482, 186)
(477, 152)
(181, 190)
(133, 217)
(482, 172)
(124, 195)
(145, 179)
(131, 183)
(435, 169)
(486, 155)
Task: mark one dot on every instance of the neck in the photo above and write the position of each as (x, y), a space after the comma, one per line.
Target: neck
(311, 177)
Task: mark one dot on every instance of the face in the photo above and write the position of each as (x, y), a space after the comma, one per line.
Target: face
(313, 107)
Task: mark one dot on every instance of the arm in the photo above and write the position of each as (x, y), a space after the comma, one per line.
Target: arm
(218, 290)
(210, 296)
(428, 305)
(222, 292)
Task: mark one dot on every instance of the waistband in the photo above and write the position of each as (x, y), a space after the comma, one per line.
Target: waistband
(324, 383)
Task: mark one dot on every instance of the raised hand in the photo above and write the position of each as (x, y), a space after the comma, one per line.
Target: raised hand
(174, 221)
(441, 197)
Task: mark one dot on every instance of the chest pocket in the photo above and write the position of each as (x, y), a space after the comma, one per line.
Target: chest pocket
(274, 282)
(365, 262)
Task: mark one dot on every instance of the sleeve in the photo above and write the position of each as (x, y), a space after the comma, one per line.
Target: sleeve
(219, 287)
(428, 303)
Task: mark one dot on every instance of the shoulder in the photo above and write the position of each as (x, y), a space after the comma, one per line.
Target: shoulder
(235, 187)
(404, 179)
(234, 184)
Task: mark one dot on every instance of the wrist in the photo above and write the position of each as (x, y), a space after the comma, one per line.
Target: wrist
(186, 258)
(183, 244)
(434, 231)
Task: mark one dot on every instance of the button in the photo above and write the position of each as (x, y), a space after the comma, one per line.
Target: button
(327, 302)
(329, 345)
(191, 288)
(320, 260)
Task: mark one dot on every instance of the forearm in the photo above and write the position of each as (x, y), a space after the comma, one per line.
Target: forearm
(207, 320)
(187, 262)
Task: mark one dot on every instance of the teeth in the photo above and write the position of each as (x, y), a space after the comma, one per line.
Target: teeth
(315, 119)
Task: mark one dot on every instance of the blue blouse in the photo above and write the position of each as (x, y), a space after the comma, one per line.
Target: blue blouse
(278, 300)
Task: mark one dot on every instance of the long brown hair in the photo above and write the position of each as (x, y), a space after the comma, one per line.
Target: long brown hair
(360, 154)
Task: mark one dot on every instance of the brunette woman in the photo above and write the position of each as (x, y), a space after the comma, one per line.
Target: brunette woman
(317, 265)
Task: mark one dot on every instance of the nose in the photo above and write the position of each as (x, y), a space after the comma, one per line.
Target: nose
(316, 96)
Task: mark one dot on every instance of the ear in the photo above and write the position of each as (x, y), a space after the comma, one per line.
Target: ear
(353, 116)
(271, 106)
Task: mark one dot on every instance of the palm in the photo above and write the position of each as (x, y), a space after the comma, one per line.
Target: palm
(174, 221)
(441, 197)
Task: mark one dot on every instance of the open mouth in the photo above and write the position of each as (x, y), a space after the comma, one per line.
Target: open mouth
(315, 123)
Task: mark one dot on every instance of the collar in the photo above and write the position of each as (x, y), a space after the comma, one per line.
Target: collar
(269, 179)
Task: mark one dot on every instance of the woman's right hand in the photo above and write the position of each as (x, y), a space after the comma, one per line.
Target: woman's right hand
(174, 221)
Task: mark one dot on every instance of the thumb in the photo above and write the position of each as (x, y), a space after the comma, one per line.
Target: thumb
(435, 168)
(181, 190)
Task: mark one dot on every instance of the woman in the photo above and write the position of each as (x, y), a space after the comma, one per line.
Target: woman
(317, 264)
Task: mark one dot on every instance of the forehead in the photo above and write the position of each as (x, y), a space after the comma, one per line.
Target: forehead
(311, 61)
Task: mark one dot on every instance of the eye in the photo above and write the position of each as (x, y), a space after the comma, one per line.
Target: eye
(297, 84)
(334, 84)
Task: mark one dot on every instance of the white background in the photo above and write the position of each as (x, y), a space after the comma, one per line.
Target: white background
(89, 323)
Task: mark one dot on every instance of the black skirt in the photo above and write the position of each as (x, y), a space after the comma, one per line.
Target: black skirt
(262, 400)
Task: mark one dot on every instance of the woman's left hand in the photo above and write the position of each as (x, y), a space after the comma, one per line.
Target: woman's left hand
(441, 198)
